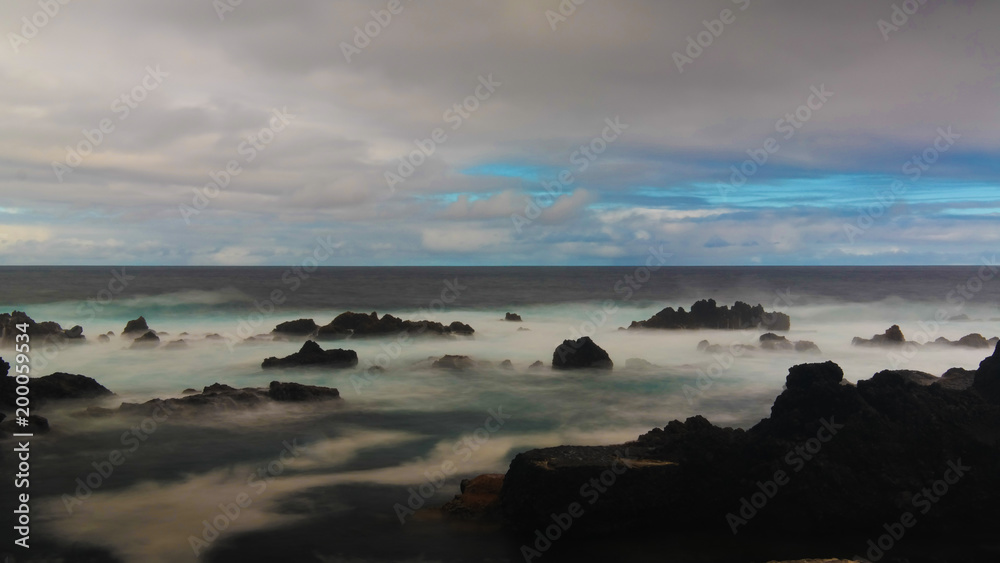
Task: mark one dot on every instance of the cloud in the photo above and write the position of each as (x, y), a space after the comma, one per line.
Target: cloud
(355, 121)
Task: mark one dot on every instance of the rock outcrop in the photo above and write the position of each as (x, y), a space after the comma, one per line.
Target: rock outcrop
(55, 387)
(707, 314)
(301, 327)
(38, 331)
(219, 397)
(457, 363)
(359, 324)
(146, 341)
(479, 498)
(136, 327)
(832, 456)
(312, 355)
(582, 353)
(513, 317)
(893, 336)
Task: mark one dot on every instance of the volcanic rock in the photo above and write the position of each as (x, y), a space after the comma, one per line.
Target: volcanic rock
(311, 354)
(581, 354)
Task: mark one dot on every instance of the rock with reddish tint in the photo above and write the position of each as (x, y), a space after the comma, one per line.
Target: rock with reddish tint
(480, 498)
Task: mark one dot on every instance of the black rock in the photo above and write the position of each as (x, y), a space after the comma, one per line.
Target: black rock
(222, 398)
(38, 331)
(893, 336)
(872, 446)
(55, 387)
(512, 317)
(807, 346)
(298, 393)
(148, 340)
(311, 354)
(707, 314)
(454, 363)
(137, 325)
(359, 324)
(973, 341)
(301, 327)
(460, 328)
(506, 364)
(581, 354)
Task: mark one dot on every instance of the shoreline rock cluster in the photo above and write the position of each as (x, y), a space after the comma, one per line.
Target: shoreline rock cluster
(832, 459)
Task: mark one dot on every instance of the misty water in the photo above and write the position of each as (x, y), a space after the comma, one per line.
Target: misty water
(326, 480)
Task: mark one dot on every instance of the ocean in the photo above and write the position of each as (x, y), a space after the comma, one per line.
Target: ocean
(327, 484)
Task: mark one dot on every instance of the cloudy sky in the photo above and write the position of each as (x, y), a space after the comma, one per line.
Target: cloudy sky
(499, 132)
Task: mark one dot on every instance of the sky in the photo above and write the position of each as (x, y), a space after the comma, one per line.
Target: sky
(495, 132)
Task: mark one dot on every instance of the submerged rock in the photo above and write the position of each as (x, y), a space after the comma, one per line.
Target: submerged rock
(454, 363)
(311, 354)
(148, 340)
(707, 314)
(219, 397)
(639, 364)
(582, 353)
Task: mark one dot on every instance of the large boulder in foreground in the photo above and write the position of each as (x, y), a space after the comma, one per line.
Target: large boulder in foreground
(833, 459)
(55, 387)
(582, 353)
(707, 314)
(312, 355)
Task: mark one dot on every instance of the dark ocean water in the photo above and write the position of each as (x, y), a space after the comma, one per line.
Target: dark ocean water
(492, 287)
(361, 458)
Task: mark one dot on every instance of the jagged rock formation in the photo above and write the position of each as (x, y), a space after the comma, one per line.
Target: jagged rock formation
(46, 331)
(707, 314)
(359, 324)
(832, 456)
(312, 355)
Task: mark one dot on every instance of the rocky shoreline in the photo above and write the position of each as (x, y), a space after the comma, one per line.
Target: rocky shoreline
(833, 460)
